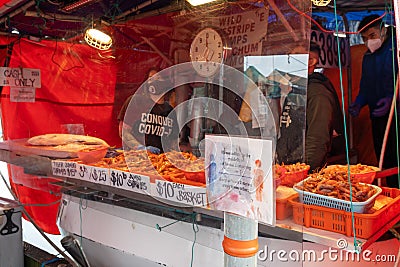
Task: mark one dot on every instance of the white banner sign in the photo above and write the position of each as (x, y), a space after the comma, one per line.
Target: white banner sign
(94, 174)
(181, 193)
(245, 33)
(20, 77)
(130, 181)
(239, 176)
(65, 168)
(329, 56)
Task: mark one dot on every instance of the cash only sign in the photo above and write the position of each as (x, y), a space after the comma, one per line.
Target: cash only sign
(23, 83)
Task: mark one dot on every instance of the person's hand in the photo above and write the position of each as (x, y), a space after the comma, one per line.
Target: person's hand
(383, 107)
(151, 149)
(354, 109)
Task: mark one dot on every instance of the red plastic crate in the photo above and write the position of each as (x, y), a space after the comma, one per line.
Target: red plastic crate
(339, 221)
(291, 178)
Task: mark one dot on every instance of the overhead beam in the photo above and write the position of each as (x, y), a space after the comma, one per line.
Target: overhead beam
(151, 27)
(22, 8)
(154, 47)
(283, 20)
(78, 4)
(9, 5)
(347, 8)
(179, 4)
(54, 16)
(137, 8)
(194, 18)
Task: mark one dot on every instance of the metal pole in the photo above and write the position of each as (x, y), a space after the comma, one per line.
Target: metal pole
(240, 241)
(349, 84)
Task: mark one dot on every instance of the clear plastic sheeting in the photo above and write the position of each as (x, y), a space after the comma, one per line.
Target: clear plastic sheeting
(84, 88)
(234, 68)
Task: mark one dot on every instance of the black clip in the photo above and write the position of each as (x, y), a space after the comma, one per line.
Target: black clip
(10, 227)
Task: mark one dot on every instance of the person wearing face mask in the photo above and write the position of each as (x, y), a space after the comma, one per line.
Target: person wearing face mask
(379, 70)
(147, 120)
(324, 118)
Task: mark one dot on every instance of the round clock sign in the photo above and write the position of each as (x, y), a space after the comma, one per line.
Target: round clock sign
(207, 52)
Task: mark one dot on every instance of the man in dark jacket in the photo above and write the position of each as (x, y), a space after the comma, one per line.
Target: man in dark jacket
(324, 119)
(379, 69)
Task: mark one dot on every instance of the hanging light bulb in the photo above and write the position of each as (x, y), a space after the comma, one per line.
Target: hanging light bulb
(321, 2)
(98, 39)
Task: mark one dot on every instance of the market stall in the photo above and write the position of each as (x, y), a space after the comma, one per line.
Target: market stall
(229, 70)
(115, 199)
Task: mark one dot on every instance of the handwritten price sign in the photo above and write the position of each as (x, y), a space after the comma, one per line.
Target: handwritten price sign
(64, 168)
(185, 194)
(130, 181)
(94, 174)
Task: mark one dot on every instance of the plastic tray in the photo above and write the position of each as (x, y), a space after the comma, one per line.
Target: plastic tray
(340, 221)
(291, 178)
(283, 208)
(331, 202)
(367, 178)
(364, 177)
(196, 176)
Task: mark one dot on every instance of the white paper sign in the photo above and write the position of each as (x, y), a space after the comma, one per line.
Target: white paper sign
(20, 77)
(130, 181)
(181, 193)
(22, 94)
(65, 168)
(94, 174)
(246, 32)
(239, 176)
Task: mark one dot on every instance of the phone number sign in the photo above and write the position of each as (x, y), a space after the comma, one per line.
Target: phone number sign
(330, 50)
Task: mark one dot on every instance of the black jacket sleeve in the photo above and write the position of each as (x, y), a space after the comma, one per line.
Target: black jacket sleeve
(319, 114)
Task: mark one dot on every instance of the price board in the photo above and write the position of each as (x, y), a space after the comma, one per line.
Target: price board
(329, 56)
(65, 168)
(130, 181)
(180, 193)
(94, 174)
